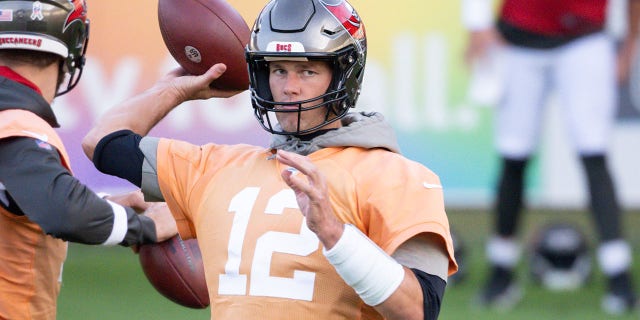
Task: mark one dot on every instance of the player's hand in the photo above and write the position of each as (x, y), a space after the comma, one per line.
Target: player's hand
(133, 199)
(165, 223)
(312, 196)
(480, 43)
(626, 56)
(187, 87)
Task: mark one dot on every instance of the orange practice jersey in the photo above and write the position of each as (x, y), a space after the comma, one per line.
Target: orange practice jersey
(261, 260)
(31, 268)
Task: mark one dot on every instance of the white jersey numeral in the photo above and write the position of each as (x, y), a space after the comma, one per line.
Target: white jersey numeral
(232, 282)
(304, 243)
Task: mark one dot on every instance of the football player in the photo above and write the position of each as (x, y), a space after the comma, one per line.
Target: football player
(330, 221)
(42, 48)
(560, 46)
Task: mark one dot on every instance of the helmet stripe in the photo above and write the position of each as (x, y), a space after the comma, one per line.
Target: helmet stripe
(79, 13)
(31, 42)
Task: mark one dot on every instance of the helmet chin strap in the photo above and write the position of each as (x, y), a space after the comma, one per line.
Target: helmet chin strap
(330, 110)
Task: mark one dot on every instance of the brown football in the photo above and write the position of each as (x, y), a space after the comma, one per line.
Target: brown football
(174, 268)
(201, 33)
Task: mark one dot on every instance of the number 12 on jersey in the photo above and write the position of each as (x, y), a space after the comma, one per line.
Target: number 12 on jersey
(304, 243)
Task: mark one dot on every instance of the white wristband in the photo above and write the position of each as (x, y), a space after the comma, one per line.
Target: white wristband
(372, 273)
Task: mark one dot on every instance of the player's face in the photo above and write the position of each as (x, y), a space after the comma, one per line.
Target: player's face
(296, 81)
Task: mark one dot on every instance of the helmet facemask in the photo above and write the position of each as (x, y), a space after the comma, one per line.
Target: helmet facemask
(73, 65)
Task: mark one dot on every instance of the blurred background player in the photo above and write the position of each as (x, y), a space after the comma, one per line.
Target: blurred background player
(42, 47)
(558, 46)
(359, 245)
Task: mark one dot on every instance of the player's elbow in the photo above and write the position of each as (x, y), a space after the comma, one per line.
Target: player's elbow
(89, 143)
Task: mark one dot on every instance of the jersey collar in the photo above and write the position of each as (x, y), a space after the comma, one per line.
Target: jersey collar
(10, 74)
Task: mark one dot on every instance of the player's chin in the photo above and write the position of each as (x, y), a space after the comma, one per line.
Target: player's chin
(289, 129)
(288, 122)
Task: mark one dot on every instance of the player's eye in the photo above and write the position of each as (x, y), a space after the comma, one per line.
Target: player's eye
(278, 71)
(309, 73)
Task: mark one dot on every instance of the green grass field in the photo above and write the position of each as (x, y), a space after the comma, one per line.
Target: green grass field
(107, 283)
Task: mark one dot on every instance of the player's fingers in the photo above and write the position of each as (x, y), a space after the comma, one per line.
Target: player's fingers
(133, 199)
(164, 222)
(192, 87)
(206, 80)
(305, 166)
(300, 163)
(285, 157)
(216, 71)
(293, 179)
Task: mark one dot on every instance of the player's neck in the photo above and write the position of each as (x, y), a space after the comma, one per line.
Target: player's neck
(44, 79)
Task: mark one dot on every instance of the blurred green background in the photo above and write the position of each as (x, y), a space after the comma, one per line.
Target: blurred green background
(108, 284)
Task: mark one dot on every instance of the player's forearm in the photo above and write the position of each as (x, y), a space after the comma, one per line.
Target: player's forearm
(377, 278)
(138, 114)
(406, 302)
(44, 191)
